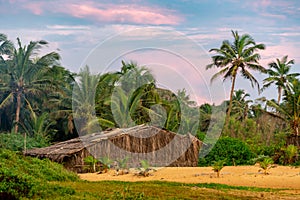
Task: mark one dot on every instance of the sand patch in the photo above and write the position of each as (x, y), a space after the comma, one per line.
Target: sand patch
(279, 177)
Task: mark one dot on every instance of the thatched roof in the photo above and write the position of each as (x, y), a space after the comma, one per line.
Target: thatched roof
(119, 143)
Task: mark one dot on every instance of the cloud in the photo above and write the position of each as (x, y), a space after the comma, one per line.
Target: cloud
(287, 34)
(36, 8)
(65, 27)
(105, 13)
(274, 16)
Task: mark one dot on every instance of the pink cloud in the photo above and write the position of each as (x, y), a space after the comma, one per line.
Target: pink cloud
(123, 13)
(280, 50)
(36, 8)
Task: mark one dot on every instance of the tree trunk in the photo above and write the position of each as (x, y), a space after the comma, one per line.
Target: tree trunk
(17, 119)
(230, 100)
(279, 94)
(94, 167)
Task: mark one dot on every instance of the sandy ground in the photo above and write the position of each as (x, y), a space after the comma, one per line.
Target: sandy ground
(279, 177)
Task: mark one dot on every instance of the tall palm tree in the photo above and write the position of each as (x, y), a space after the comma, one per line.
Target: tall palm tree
(60, 101)
(83, 99)
(279, 75)
(25, 75)
(239, 56)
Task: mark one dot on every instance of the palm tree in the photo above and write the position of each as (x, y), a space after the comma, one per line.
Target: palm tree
(238, 56)
(133, 76)
(289, 110)
(60, 101)
(130, 103)
(279, 74)
(25, 76)
(240, 105)
(83, 99)
(6, 46)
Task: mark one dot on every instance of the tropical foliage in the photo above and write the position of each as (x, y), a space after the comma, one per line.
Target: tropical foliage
(42, 102)
(239, 56)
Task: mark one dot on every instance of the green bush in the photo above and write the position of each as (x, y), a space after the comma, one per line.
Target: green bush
(30, 177)
(234, 151)
(15, 185)
(15, 142)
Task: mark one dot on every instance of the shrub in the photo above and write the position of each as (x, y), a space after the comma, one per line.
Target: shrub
(234, 151)
(29, 177)
(290, 152)
(15, 142)
(15, 185)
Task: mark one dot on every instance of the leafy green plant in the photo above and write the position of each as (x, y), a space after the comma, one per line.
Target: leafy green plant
(234, 151)
(145, 168)
(106, 162)
(290, 152)
(15, 142)
(91, 161)
(122, 166)
(257, 159)
(218, 166)
(266, 164)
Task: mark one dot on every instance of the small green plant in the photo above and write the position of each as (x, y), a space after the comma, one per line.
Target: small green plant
(91, 161)
(266, 164)
(106, 162)
(291, 151)
(218, 166)
(145, 168)
(122, 166)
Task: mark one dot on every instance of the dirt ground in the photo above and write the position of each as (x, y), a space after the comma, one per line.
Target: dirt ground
(279, 177)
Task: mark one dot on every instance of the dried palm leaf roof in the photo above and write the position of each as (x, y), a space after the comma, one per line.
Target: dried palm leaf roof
(62, 149)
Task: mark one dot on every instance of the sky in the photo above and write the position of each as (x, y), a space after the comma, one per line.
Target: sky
(171, 37)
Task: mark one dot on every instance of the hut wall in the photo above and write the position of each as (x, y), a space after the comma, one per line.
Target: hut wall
(160, 149)
(75, 162)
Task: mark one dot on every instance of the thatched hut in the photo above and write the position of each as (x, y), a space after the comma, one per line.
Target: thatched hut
(159, 147)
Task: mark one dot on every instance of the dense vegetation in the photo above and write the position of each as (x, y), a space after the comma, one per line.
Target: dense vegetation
(37, 95)
(31, 177)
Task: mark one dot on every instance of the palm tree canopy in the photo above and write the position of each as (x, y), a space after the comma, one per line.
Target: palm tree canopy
(240, 55)
(6, 46)
(279, 73)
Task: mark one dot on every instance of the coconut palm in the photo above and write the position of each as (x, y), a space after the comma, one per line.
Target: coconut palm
(279, 75)
(83, 98)
(289, 110)
(60, 100)
(6, 46)
(240, 105)
(133, 76)
(239, 56)
(25, 76)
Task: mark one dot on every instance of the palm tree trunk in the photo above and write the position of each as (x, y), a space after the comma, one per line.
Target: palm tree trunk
(17, 119)
(230, 100)
(279, 94)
